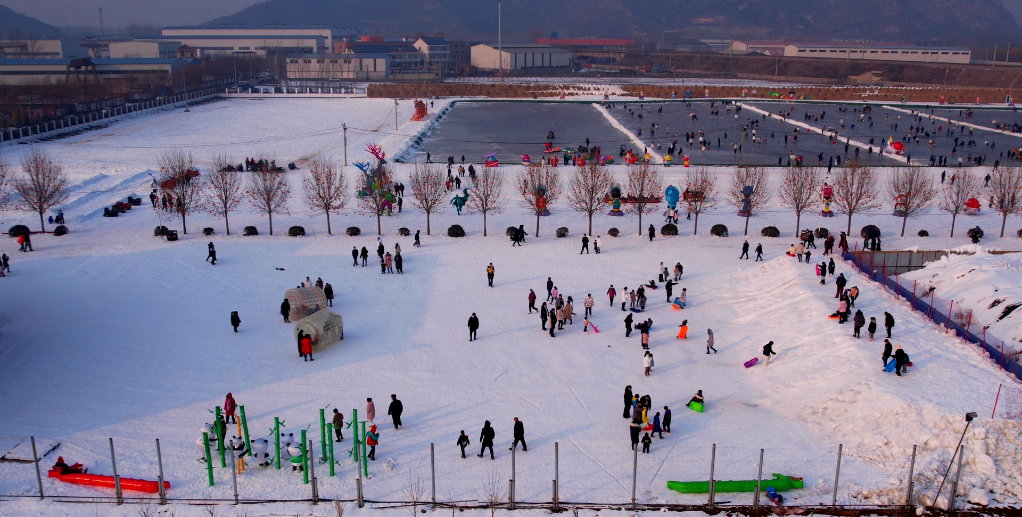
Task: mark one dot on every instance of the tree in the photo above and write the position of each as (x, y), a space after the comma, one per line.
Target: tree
(180, 180)
(800, 191)
(1006, 190)
(755, 177)
(645, 189)
(487, 195)
(375, 186)
(955, 197)
(325, 188)
(223, 193)
(700, 192)
(42, 186)
(540, 187)
(268, 191)
(911, 189)
(587, 188)
(855, 190)
(428, 189)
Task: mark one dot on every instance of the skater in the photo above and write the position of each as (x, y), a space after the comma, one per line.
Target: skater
(417, 243)
(519, 435)
(745, 251)
(230, 406)
(463, 442)
(489, 274)
(486, 439)
(365, 256)
(549, 289)
(328, 291)
(709, 341)
(759, 252)
(628, 400)
(370, 410)
(888, 323)
(585, 244)
(768, 350)
(307, 348)
(888, 350)
(588, 304)
(473, 326)
(872, 327)
(611, 293)
(338, 423)
(285, 310)
(628, 325)
(532, 301)
(634, 429)
(542, 315)
(235, 321)
(394, 410)
(647, 360)
(667, 419)
(901, 361)
(372, 440)
(858, 321)
(596, 244)
(211, 256)
(354, 256)
(646, 441)
(683, 330)
(841, 281)
(624, 297)
(652, 232)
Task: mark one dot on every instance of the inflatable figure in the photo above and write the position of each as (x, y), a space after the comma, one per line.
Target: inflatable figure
(615, 201)
(899, 205)
(490, 160)
(972, 206)
(747, 193)
(526, 160)
(672, 195)
(541, 200)
(687, 161)
(459, 201)
(828, 198)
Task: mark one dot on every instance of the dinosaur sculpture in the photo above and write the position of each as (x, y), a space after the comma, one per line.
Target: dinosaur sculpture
(459, 201)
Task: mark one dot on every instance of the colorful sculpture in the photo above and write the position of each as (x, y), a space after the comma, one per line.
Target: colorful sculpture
(828, 198)
(459, 201)
(615, 201)
(747, 192)
(672, 195)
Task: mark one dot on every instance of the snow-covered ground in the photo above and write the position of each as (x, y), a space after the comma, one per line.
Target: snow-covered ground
(111, 332)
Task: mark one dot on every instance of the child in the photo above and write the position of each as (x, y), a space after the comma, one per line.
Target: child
(872, 328)
(585, 325)
(307, 348)
(463, 439)
(697, 398)
(683, 330)
(646, 441)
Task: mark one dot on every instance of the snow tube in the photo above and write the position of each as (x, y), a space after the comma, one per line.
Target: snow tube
(890, 366)
(779, 483)
(97, 480)
(695, 406)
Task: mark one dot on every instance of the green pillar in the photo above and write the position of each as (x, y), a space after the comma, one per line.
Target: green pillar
(322, 432)
(305, 458)
(276, 438)
(244, 428)
(209, 457)
(221, 431)
(330, 450)
(365, 464)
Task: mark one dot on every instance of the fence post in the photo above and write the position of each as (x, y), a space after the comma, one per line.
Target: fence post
(358, 461)
(159, 462)
(38, 476)
(759, 481)
(234, 474)
(713, 461)
(837, 474)
(556, 471)
(209, 457)
(930, 313)
(432, 472)
(950, 309)
(911, 474)
(117, 479)
(312, 474)
(635, 470)
(330, 435)
(997, 398)
(968, 325)
(958, 475)
(511, 488)
(897, 285)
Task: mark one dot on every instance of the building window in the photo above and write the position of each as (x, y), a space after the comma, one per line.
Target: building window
(333, 61)
(319, 61)
(244, 48)
(307, 61)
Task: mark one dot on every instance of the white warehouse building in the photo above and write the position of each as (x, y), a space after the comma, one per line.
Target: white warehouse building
(854, 50)
(519, 56)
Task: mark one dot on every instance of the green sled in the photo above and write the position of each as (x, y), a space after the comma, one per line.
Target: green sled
(780, 483)
(695, 406)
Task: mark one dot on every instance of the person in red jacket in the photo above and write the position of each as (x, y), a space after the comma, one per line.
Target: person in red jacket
(230, 406)
(372, 440)
(307, 348)
(532, 301)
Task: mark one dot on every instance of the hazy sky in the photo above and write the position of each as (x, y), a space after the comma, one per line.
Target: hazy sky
(118, 13)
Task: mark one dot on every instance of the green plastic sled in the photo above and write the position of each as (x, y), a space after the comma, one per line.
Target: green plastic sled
(695, 406)
(780, 483)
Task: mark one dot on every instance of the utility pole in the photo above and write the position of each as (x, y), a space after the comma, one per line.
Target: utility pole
(993, 62)
(500, 46)
(395, 114)
(102, 31)
(345, 128)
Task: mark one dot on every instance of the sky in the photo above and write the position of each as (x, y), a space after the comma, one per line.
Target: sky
(118, 13)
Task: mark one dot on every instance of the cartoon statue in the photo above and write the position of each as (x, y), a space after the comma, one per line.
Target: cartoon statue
(459, 201)
(672, 194)
(615, 201)
(747, 192)
(828, 197)
(541, 200)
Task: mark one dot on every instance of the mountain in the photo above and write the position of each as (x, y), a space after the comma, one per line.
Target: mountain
(16, 25)
(947, 21)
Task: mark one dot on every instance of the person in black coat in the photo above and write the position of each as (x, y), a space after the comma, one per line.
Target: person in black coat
(519, 436)
(628, 400)
(354, 256)
(888, 350)
(235, 320)
(841, 281)
(901, 361)
(365, 256)
(285, 310)
(652, 232)
(542, 315)
(328, 291)
(889, 323)
(380, 250)
(399, 264)
(768, 350)
(211, 257)
(859, 321)
(628, 325)
(473, 326)
(486, 439)
(394, 410)
(585, 244)
(463, 442)
(646, 442)
(669, 286)
(634, 429)
(666, 424)
(872, 327)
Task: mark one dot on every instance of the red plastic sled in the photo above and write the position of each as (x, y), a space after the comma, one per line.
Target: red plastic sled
(97, 480)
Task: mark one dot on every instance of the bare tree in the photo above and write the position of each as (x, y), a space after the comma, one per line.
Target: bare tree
(587, 188)
(493, 492)
(415, 491)
(1005, 187)
(645, 186)
(955, 197)
(488, 193)
(755, 177)
(700, 192)
(428, 189)
(911, 188)
(223, 192)
(268, 191)
(855, 190)
(375, 186)
(180, 180)
(540, 187)
(800, 191)
(42, 186)
(325, 188)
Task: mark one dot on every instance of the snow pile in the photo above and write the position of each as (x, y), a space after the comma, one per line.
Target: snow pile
(986, 283)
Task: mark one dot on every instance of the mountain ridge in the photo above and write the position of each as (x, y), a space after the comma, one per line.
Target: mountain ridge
(14, 25)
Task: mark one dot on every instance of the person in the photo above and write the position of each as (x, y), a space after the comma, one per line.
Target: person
(888, 350)
(307, 348)
(611, 293)
(417, 243)
(319, 282)
(338, 423)
(698, 397)
(553, 316)
(683, 330)
(370, 410)
(647, 358)
(542, 315)
(27, 237)
(683, 297)
(841, 281)
(519, 435)
(709, 341)
(585, 244)
(463, 442)
(395, 410)
(473, 326)
(549, 289)
(235, 321)
(888, 323)
(354, 256)
(628, 400)
(800, 250)
(399, 264)
(489, 274)
(831, 266)
(645, 340)
(667, 419)
(872, 327)
(759, 252)
(678, 270)
(569, 309)
(285, 310)
(901, 361)
(230, 406)
(646, 441)
(365, 256)
(532, 301)
(842, 310)
(389, 262)
(596, 244)
(486, 439)
(853, 293)
(634, 429)
(628, 325)
(652, 232)
(328, 290)
(768, 350)
(6, 262)
(588, 304)
(372, 440)
(745, 251)
(809, 255)
(859, 321)
(211, 255)
(624, 297)
(64, 468)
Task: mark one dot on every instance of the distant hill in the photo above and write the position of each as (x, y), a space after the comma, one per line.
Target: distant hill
(947, 21)
(16, 25)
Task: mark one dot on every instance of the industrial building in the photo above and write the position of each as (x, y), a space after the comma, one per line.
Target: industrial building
(855, 50)
(31, 49)
(15, 72)
(519, 56)
(275, 31)
(143, 49)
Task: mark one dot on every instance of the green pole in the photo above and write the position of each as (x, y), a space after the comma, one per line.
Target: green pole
(209, 457)
(305, 459)
(276, 438)
(244, 428)
(365, 464)
(330, 433)
(322, 431)
(353, 425)
(221, 431)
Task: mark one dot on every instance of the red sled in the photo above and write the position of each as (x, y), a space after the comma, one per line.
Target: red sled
(751, 362)
(97, 480)
(595, 330)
